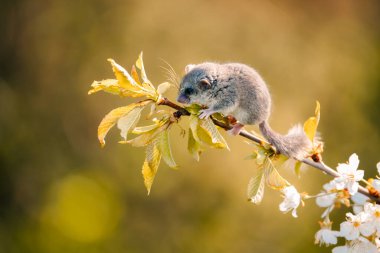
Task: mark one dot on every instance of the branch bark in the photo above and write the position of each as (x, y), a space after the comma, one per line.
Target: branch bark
(181, 111)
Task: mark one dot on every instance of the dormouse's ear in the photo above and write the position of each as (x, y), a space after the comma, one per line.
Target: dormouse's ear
(205, 83)
(189, 67)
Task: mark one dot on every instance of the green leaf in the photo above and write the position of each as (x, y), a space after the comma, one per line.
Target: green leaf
(150, 166)
(255, 189)
(165, 149)
(193, 146)
(219, 117)
(193, 109)
(311, 124)
(113, 116)
(272, 178)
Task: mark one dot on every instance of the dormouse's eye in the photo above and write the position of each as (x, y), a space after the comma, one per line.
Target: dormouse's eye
(188, 91)
(205, 83)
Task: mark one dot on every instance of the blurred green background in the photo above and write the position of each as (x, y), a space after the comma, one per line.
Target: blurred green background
(60, 192)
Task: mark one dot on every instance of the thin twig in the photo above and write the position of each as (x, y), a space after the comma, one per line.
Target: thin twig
(318, 165)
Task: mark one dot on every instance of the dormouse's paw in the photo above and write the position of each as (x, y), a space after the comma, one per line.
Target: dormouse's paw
(235, 130)
(205, 113)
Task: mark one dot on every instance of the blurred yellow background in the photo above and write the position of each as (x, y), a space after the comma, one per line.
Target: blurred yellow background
(60, 192)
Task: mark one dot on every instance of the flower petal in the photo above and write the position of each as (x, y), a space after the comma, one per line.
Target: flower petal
(367, 229)
(349, 231)
(358, 175)
(343, 168)
(354, 161)
(352, 187)
(340, 249)
(326, 200)
(339, 183)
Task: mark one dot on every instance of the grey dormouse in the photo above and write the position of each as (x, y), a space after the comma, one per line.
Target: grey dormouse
(238, 90)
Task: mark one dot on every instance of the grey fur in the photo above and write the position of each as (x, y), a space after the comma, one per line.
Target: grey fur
(238, 90)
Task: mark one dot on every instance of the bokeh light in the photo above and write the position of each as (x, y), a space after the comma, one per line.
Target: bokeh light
(61, 192)
(82, 209)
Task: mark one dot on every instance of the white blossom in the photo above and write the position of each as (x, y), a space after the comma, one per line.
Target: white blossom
(340, 249)
(349, 175)
(378, 168)
(359, 201)
(328, 196)
(356, 225)
(292, 200)
(362, 246)
(373, 211)
(325, 235)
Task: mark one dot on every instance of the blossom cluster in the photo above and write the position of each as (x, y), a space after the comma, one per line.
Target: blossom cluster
(361, 229)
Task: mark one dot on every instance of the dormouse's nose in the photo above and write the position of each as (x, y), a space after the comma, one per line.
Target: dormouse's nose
(182, 98)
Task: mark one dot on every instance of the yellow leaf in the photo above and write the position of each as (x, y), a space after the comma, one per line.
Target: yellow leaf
(216, 137)
(193, 146)
(144, 129)
(311, 124)
(259, 154)
(193, 124)
(203, 136)
(112, 86)
(135, 75)
(272, 177)
(113, 116)
(152, 110)
(140, 65)
(108, 85)
(148, 136)
(163, 144)
(255, 189)
(124, 79)
(150, 166)
(129, 121)
(131, 84)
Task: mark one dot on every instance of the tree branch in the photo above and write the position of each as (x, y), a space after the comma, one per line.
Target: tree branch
(181, 111)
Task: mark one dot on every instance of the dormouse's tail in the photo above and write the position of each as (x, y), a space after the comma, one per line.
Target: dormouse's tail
(294, 144)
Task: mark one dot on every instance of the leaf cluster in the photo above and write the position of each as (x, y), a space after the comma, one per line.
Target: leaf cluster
(155, 137)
